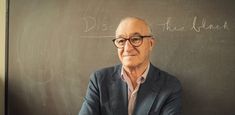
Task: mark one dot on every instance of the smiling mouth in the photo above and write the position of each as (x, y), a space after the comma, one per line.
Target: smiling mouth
(129, 55)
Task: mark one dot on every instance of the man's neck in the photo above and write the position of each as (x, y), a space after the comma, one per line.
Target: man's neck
(134, 72)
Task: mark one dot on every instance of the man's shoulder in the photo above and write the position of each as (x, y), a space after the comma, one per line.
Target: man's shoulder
(106, 71)
(168, 79)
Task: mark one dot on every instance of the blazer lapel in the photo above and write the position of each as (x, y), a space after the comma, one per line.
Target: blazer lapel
(147, 93)
(119, 95)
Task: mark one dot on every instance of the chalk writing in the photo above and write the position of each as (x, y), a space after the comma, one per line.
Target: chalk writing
(205, 26)
(168, 27)
(92, 24)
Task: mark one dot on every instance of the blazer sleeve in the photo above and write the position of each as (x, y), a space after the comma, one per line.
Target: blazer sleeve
(91, 104)
(173, 103)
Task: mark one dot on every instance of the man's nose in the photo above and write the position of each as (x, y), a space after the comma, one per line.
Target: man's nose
(128, 46)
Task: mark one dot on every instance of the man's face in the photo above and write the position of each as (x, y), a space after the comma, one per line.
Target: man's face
(129, 55)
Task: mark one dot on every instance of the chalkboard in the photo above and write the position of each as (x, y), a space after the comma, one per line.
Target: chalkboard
(55, 44)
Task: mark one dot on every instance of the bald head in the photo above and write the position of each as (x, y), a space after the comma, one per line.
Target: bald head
(134, 21)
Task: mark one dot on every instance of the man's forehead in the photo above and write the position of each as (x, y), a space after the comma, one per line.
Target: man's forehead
(128, 35)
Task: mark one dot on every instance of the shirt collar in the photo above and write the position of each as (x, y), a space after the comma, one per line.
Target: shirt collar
(141, 79)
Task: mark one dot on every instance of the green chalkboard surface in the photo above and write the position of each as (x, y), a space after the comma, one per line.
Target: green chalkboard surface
(55, 44)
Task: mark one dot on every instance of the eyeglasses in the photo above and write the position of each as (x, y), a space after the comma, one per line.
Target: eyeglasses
(135, 41)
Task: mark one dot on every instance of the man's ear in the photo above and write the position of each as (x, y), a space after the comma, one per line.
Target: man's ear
(152, 43)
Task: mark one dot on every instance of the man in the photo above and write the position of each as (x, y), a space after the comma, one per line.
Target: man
(135, 87)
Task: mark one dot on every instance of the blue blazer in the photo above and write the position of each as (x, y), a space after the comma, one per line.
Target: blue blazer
(107, 94)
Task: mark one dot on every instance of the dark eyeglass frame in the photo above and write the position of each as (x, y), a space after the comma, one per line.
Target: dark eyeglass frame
(128, 39)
